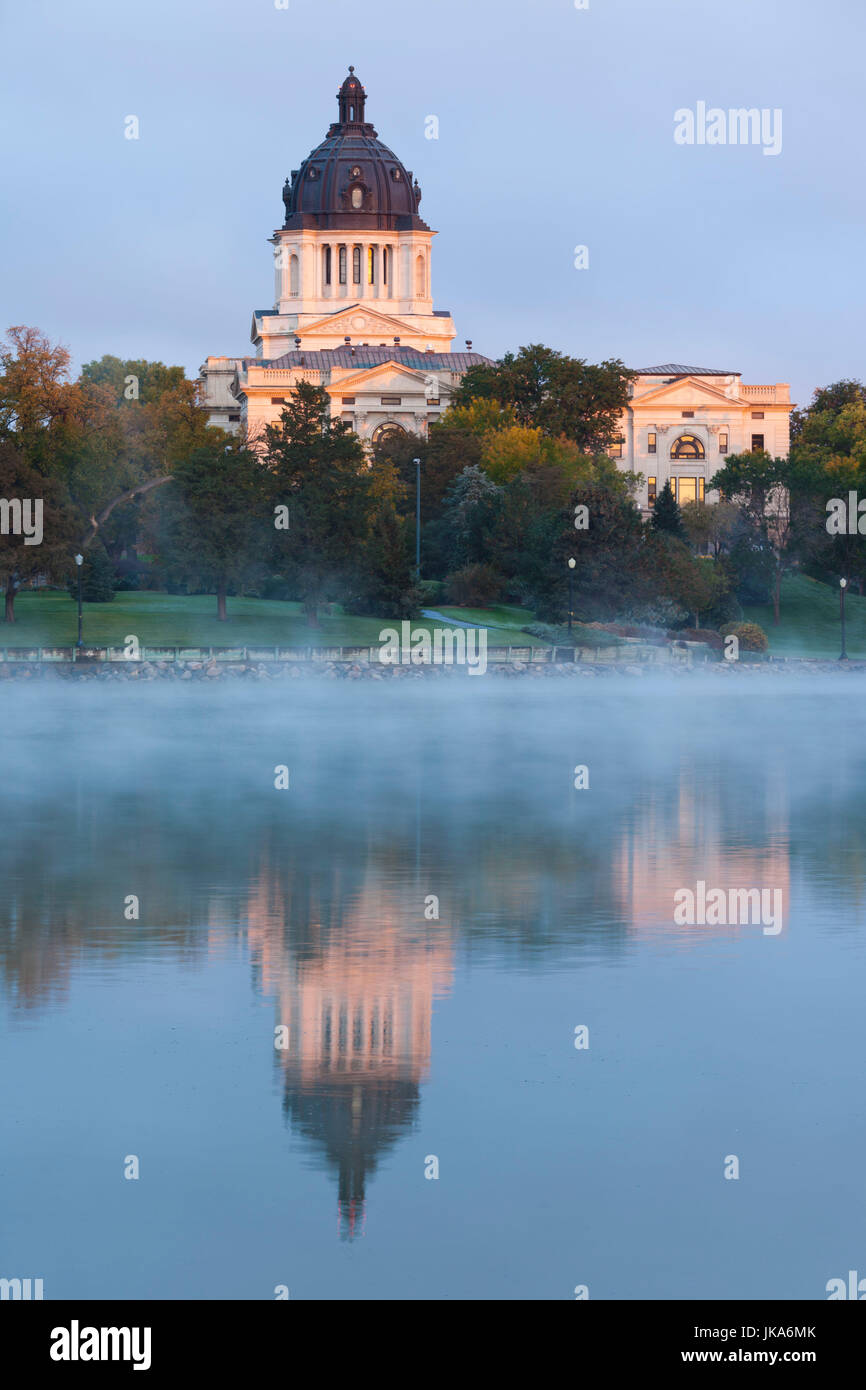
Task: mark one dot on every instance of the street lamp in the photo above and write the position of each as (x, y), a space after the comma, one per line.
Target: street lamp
(571, 565)
(79, 560)
(843, 585)
(417, 463)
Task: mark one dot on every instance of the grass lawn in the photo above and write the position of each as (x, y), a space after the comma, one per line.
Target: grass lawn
(178, 620)
(809, 620)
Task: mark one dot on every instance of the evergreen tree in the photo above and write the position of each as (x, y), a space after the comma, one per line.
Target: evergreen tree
(318, 470)
(97, 578)
(667, 516)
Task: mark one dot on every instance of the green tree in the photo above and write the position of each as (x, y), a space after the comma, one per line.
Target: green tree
(667, 516)
(217, 520)
(558, 394)
(319, 471)
(38, 505)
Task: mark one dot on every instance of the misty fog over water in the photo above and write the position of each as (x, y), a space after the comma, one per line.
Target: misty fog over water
(410, 1036)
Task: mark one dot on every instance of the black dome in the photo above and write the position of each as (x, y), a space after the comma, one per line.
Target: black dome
(352, 182)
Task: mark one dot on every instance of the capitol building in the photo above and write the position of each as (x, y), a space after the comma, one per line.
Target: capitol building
(353, 313)
(353, 298)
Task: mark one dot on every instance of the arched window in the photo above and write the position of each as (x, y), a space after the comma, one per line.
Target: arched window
(294, 275)
(342, 265)
(371, 265)
(356, 265)
(327, 265)
(688, 446)
(386, 265)
(357, 197)
(420, 278)
(387, 430)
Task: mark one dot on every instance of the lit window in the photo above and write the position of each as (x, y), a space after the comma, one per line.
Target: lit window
(371, 264)
(688, 490)
(723, 443)
(357, 197)
(615, 450)
(701, 486)
(651, 491)
(672, 483)
(688, 446)
(651, 442)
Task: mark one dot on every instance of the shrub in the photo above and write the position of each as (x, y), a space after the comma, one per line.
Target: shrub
(475, 586)
(430, 592)
(750, 636)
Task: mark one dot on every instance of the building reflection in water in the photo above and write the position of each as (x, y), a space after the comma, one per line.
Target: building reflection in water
(357, 1006)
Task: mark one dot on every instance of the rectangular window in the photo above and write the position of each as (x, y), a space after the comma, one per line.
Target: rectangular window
(757, 443)
(356, 265)
(757, 414)
(701, 486)
(371, 265)
(342, 254)
(391, 400)
(688, 491)
(651, 442)
(651, 491)
(327, 265)
(234, 417)
(348, 400)
(278, 400)
(723, 443)
(673, 483)
(615, 450)
(688, 415)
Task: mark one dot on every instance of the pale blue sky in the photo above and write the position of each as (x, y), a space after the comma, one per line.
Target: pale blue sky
(556, 129)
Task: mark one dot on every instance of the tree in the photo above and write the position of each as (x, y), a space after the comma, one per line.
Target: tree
(319, 471)
(710, 525)
(765, 489)
(97, 578)
(558, 394)
(667, 516)
(36, 505)
(217, 522)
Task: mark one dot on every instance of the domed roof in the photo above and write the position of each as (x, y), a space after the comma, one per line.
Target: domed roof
(352, 182)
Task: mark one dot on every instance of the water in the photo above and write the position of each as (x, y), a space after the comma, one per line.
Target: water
(409, 1037)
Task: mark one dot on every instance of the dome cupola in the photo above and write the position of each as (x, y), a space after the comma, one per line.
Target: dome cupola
(351, 181)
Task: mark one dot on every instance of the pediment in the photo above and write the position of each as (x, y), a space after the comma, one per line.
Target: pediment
(354, 321)
(381, 378)
(687, 391)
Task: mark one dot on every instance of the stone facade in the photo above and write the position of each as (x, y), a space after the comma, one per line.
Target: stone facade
(681, 422)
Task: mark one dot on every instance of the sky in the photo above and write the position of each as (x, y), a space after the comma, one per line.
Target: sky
(556, 130)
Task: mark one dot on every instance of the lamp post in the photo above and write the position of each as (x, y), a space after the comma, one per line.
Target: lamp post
(843, 585)
(417, 463)
(79, 560)
(571, 565)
